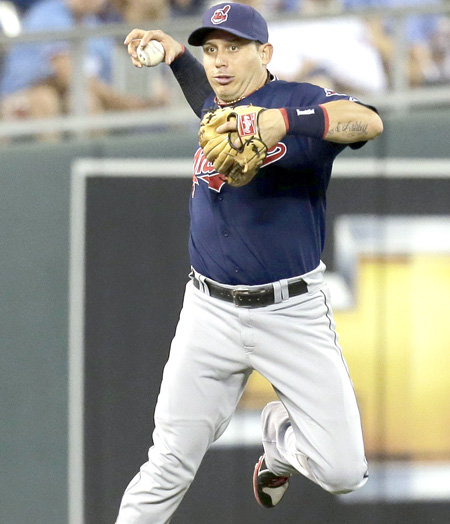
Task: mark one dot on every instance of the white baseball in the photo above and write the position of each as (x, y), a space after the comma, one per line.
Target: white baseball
(152, 54)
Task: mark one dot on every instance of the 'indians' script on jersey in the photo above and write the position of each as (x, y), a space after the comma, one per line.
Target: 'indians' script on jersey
(204, 170)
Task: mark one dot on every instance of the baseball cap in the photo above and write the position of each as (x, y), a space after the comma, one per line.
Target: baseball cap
(237, 19)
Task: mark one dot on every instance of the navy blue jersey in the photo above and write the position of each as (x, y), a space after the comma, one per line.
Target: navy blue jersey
(274, 227)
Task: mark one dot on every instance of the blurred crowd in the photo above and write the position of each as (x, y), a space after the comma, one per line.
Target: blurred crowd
(357, 53)
(353, 53)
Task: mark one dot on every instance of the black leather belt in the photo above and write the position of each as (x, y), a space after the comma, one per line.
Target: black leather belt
(256, 296)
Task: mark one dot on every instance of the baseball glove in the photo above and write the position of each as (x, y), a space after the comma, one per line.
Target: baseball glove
(239, 154)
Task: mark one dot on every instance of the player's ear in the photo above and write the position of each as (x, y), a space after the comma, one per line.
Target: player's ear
(266, 52)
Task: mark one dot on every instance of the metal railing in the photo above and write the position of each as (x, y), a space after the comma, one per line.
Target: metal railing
(399, 97)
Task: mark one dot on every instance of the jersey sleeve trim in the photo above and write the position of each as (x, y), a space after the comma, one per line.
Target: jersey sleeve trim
(285, 118)
(326, 120)
(183, 49)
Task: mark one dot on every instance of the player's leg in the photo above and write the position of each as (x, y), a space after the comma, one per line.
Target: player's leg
(202, 383)
(316, 430)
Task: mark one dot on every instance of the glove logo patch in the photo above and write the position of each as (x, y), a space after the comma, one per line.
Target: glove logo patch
(220, 15)
(247, 125)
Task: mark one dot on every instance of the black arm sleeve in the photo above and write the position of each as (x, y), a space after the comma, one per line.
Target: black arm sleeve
(191, 76)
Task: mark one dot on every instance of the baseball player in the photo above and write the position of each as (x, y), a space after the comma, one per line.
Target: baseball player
(257, 298)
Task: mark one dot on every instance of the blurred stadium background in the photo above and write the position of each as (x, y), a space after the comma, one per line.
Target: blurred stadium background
(93, 242)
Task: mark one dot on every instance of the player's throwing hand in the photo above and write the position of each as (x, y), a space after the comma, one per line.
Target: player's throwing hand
(140, 37)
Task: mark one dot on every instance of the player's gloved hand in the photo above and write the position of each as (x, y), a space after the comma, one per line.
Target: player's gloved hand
(236, 154)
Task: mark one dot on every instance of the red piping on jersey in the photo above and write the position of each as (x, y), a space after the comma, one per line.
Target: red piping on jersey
(181, 53)
(285, 118)
(327, 120)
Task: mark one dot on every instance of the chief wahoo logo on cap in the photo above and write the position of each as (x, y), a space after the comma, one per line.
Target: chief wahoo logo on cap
(220, 15)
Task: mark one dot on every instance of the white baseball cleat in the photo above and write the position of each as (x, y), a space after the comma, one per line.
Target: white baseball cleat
(268, 488)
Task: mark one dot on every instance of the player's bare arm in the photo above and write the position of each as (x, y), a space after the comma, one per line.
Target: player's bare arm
(141, 37)
(350, 122)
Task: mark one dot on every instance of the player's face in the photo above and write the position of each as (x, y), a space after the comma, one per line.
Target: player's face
(235, 67)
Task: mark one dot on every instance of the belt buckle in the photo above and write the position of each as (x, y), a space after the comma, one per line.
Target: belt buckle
(248, 297)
